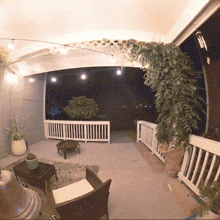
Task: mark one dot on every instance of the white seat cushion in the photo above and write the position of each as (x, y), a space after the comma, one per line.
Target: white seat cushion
(72, 191)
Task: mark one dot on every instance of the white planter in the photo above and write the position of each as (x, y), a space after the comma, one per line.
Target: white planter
(18, 147)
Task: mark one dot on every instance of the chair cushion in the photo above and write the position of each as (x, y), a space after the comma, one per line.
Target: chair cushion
(72, 191)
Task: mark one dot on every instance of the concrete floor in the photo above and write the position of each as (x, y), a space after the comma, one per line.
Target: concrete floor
(139, 190)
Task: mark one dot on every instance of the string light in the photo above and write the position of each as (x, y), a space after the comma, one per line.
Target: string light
(11, 45)
(62, 48)
(119, 72)
(83, 76)
(112, 59)
(53, 79)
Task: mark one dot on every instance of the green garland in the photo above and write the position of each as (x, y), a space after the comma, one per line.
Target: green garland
(169, 72)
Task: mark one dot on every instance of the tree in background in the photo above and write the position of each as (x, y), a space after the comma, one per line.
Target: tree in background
(82, 108)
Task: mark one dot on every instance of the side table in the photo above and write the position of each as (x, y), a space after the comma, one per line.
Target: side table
(36, 177)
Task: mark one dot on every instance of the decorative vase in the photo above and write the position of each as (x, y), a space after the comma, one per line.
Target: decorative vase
(32, 164)
(18, 147)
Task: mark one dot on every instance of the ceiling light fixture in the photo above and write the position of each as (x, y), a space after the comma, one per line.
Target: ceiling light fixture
(12, 78)
(112, 59)
(11, 45)
(64, 50)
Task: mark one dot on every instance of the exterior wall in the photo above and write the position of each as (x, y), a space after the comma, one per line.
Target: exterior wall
(26, 100)
(4, 150)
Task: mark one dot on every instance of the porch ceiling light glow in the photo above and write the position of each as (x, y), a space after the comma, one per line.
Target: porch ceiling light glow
(31, 80)
(11, 45)
(133, 63)
(119, 72)
(112, 59)
(53, 79)
(64, 50)
(12, 78)
(83, 76)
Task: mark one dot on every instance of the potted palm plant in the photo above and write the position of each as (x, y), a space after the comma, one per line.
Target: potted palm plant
(169, 72)
(16, 135)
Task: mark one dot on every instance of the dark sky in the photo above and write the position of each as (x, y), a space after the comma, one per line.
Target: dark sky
(102, 84)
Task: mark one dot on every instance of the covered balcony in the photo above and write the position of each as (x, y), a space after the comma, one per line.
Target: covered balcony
(49, 36)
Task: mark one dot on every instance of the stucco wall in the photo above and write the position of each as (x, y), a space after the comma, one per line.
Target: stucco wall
(26, 100)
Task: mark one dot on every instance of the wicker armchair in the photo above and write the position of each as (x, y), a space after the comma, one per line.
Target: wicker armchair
(89, 198)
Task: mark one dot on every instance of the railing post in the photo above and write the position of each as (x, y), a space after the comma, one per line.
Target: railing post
(185, 163)
(154, 139)
(64, 132)
(108, 132)
(138, 130)
(85, 132)
(46, 128)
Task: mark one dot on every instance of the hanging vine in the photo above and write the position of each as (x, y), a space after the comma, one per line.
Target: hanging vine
(169, 72)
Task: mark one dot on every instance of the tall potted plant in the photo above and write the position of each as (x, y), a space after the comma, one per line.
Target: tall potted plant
(169, 73)
(16, 135)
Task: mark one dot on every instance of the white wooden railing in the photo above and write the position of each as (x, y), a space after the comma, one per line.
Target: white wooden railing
(146, 133)
(201, 163)
(78, 130)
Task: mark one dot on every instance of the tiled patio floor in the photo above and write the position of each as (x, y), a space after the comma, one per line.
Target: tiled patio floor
(139, 190)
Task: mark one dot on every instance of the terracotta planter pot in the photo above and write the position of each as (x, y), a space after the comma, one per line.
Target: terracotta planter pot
(173, 160)
(18, 147)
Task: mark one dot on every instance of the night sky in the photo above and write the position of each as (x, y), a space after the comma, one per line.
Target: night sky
(102, 82)
(110, 91)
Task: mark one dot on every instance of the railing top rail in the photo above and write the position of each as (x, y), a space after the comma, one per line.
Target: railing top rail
(205, 144)
(201, 142)
(77, 122)
(148, 124)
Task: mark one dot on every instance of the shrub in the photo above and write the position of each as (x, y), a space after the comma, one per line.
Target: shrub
(82, 108)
